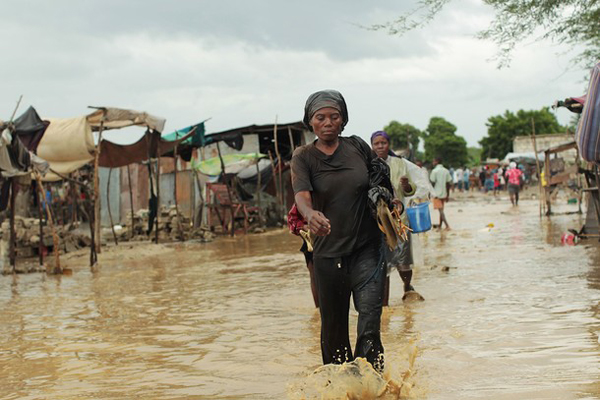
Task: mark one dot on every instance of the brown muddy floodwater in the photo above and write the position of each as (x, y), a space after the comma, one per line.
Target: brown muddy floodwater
(510, 313)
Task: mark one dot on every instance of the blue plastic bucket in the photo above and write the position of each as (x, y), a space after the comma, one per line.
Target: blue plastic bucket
(419, 218)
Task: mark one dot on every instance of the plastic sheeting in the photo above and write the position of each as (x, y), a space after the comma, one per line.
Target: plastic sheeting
(150, 145)
(67, 145)
(234, 163)
(115, 118)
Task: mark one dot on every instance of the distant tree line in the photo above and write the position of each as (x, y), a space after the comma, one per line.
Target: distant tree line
(440, 138)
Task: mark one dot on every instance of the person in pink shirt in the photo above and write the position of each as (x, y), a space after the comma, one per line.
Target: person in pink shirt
(514, 183)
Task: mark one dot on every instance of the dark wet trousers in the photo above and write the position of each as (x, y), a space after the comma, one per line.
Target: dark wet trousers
(362, 275)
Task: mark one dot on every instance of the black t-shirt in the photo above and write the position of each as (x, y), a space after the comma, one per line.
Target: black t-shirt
(338, 184)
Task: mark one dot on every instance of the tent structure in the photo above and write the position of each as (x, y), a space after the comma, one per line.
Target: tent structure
(68, 143)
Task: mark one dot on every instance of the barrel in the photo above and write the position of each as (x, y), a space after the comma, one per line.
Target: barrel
(419, 218)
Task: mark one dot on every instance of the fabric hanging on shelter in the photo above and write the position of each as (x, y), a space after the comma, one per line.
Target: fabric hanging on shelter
(152, 202)
(114, 118)
(235, 140)
(14, 156)
(588, 130)
(234, 163)
(151, 145)
(30, 128)
(249, 174)
(186, 147)
(67, 145)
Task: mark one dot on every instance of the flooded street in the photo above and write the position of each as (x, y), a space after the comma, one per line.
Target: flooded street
(510, 313)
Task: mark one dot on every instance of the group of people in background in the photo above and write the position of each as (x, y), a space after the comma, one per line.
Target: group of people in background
(488, 179)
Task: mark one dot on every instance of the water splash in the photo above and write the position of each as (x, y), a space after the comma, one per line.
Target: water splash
(356, 380)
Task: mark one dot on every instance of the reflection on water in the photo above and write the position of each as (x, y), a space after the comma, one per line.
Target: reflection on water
(510, 313)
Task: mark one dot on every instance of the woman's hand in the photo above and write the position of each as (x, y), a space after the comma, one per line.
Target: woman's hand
(318, 224)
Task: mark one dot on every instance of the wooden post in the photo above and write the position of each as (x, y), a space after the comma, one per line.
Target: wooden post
(131, 203)
(112, 225)
(275, 181)
(97, 216)
(228, 191)
(292, 145)
(41, 244)
(547, 188)
(55, 238)
(157, 197)
(74, 204)
(179, 226)
(280, 180)
(258, 190)
(199, 220)
(537, 166)
(13, 236)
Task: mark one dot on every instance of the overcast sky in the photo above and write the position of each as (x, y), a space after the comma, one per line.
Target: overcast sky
(243, 62)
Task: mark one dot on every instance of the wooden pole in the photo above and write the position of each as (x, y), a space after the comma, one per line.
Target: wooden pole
(112, 225)
(258, 190)
(537, 166)
(275, 183)
(74, 204)
(97, 216)
(41, 244)
(179, 226)
(131, 203)
(228, 190)
(157, 197)
(13, 236)
(55, 238)
(12, 250)
(547, 191)
(292, 145)
(16, 108)
(199, 220)
(278, 155)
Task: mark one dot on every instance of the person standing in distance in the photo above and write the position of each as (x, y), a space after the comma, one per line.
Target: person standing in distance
(442, 181)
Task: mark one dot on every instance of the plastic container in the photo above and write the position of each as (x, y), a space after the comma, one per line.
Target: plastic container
(419, 218)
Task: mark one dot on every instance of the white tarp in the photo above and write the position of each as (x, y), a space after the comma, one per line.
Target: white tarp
(120, 118)
(530, 155)
(67, 145)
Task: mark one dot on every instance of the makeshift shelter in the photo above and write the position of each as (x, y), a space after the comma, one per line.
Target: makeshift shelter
(68, 143)
(588, 144)
(270, 177)
(19, 160)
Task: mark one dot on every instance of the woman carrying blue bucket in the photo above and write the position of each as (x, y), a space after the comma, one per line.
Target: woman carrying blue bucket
(401, 257)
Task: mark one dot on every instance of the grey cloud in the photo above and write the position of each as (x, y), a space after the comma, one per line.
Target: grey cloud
(326, 26)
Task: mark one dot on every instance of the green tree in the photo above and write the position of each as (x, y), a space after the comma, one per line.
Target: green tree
(474, 156)
(440, 140)
(402, 134)
(572, 22)
(502, 129)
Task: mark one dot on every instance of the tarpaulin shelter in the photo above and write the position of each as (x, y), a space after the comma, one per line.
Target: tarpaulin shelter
(18, 142)
(186, 147)
(151, 145)
(30, 128)
(233, 163)
(587, 140)
(68, 143)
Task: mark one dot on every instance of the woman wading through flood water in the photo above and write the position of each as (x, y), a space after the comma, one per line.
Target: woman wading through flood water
(330, 178)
